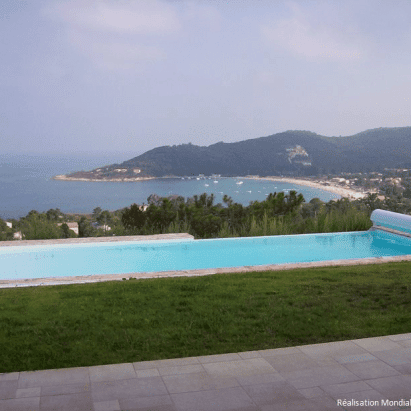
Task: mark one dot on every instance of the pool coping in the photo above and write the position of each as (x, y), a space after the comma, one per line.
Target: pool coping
(80, 240)
(68, 280)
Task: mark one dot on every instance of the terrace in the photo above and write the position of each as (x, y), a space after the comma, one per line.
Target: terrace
(286, 377)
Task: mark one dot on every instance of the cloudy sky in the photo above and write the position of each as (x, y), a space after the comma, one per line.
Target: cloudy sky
(100, 76)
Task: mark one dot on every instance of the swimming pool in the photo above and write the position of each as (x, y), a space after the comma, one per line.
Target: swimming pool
(62, 260)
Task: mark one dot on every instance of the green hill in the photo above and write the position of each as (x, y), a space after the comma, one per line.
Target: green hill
(291, 152)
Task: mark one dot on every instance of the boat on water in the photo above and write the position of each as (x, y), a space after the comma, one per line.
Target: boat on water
(239, 183)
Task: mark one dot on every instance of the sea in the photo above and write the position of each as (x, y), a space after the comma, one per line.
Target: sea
(26, 184)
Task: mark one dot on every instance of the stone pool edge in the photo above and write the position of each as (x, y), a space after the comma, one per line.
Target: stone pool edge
(195, 272)
(80, 240)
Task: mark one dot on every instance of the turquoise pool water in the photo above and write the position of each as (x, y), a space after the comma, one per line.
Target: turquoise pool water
(28, 262)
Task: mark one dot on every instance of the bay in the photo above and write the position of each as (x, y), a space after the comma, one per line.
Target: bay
(26, 184)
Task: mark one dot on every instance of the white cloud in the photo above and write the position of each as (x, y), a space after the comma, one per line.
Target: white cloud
(134, 16)
(118, 35)
(312, 40)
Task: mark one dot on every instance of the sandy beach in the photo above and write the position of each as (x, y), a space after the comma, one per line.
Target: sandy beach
(327, 186)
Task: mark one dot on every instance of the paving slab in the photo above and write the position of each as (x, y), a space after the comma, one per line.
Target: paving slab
(179, 370)
(152, 403)
(355, 358)
(106, 406)
(147, 373)
(371, 369)
(8, 389)
(111, 372)
(53, 377)
(214, 400)
(196, 382)
(332, 350)
(65, 389)
(401, 356)
(311, 377)
(307, 378)
(402, 336)
(376, 344)
(314, 392)
(341, 389)
(292, 362)
(167, 363)
(13, 376)
(403, 369)
(260, 379)
(281, 351)
(225, 357)
(395, 387)
(244, 367)
(71, 402)
(273, 393)
(20, 404)
(28, 393)
(405, 343)
(129, 388)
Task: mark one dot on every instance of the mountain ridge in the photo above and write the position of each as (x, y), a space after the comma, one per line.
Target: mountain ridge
(292, 152)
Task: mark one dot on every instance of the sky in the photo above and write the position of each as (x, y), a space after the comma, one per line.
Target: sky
(123, 77)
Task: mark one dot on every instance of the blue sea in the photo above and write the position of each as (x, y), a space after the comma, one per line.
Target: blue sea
(26, 184)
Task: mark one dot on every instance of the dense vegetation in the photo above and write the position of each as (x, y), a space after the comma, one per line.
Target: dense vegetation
(136, 320)
(279, 214)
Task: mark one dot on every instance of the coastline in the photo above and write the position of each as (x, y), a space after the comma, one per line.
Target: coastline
(85, 179)
(328, 186)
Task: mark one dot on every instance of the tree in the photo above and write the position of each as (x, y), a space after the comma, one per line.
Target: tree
(6, 233)
(85, 228)
(372, 202)
(227, 200)
(104, 218)
(65, 231)
(206, 225)
(160, 217)
(133, 217)
(154, 199)
(96, 213)
(36, 226)
(53, 215)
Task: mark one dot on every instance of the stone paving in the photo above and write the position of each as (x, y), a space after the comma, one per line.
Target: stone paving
(362, 374)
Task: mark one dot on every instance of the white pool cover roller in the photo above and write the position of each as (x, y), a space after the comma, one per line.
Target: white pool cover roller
(391, 220)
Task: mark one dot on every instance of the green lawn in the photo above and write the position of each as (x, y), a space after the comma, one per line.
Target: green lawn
(134, 320)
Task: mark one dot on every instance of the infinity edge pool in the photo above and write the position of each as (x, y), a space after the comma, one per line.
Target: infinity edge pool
(170, 273)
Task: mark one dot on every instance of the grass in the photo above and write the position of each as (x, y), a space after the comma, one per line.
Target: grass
(134, 320)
